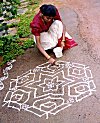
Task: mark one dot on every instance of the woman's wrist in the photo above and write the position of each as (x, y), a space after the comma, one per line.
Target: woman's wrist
(48, 57)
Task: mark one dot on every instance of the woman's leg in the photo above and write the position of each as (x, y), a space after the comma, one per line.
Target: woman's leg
(49, 39)
(56, 29)
(53, 37)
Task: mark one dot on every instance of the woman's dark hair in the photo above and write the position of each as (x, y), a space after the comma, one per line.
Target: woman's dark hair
(48, 10)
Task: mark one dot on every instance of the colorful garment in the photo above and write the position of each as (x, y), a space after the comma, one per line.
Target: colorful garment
(38, 26)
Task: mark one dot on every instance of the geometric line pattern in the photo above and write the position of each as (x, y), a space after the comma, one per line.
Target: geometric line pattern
(46, 90)
(5, 72)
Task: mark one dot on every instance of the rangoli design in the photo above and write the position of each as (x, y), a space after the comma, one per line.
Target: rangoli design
(46, 90)
(5, 72)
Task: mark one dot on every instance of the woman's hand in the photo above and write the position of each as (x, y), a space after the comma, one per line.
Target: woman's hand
(51, 60)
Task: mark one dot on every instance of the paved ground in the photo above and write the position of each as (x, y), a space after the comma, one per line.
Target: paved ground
(36, 92)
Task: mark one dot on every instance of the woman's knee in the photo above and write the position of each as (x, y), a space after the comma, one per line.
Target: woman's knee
(56, 26)
(58, 23)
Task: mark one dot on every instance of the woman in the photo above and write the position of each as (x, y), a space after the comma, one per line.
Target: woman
(49, 31)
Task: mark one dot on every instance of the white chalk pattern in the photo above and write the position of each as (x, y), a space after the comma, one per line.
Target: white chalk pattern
(5, 73)
(46, 90)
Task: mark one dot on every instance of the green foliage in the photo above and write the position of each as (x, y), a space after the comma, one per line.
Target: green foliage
(9, 47)
(34, 1)
(8, 10)
(12, 46)
(24, 26)
(28, 43)
(14, 1)
(12, 25)
(23, 29)
(1, 47)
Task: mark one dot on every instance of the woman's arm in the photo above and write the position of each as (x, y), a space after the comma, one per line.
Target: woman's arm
(48, 57)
